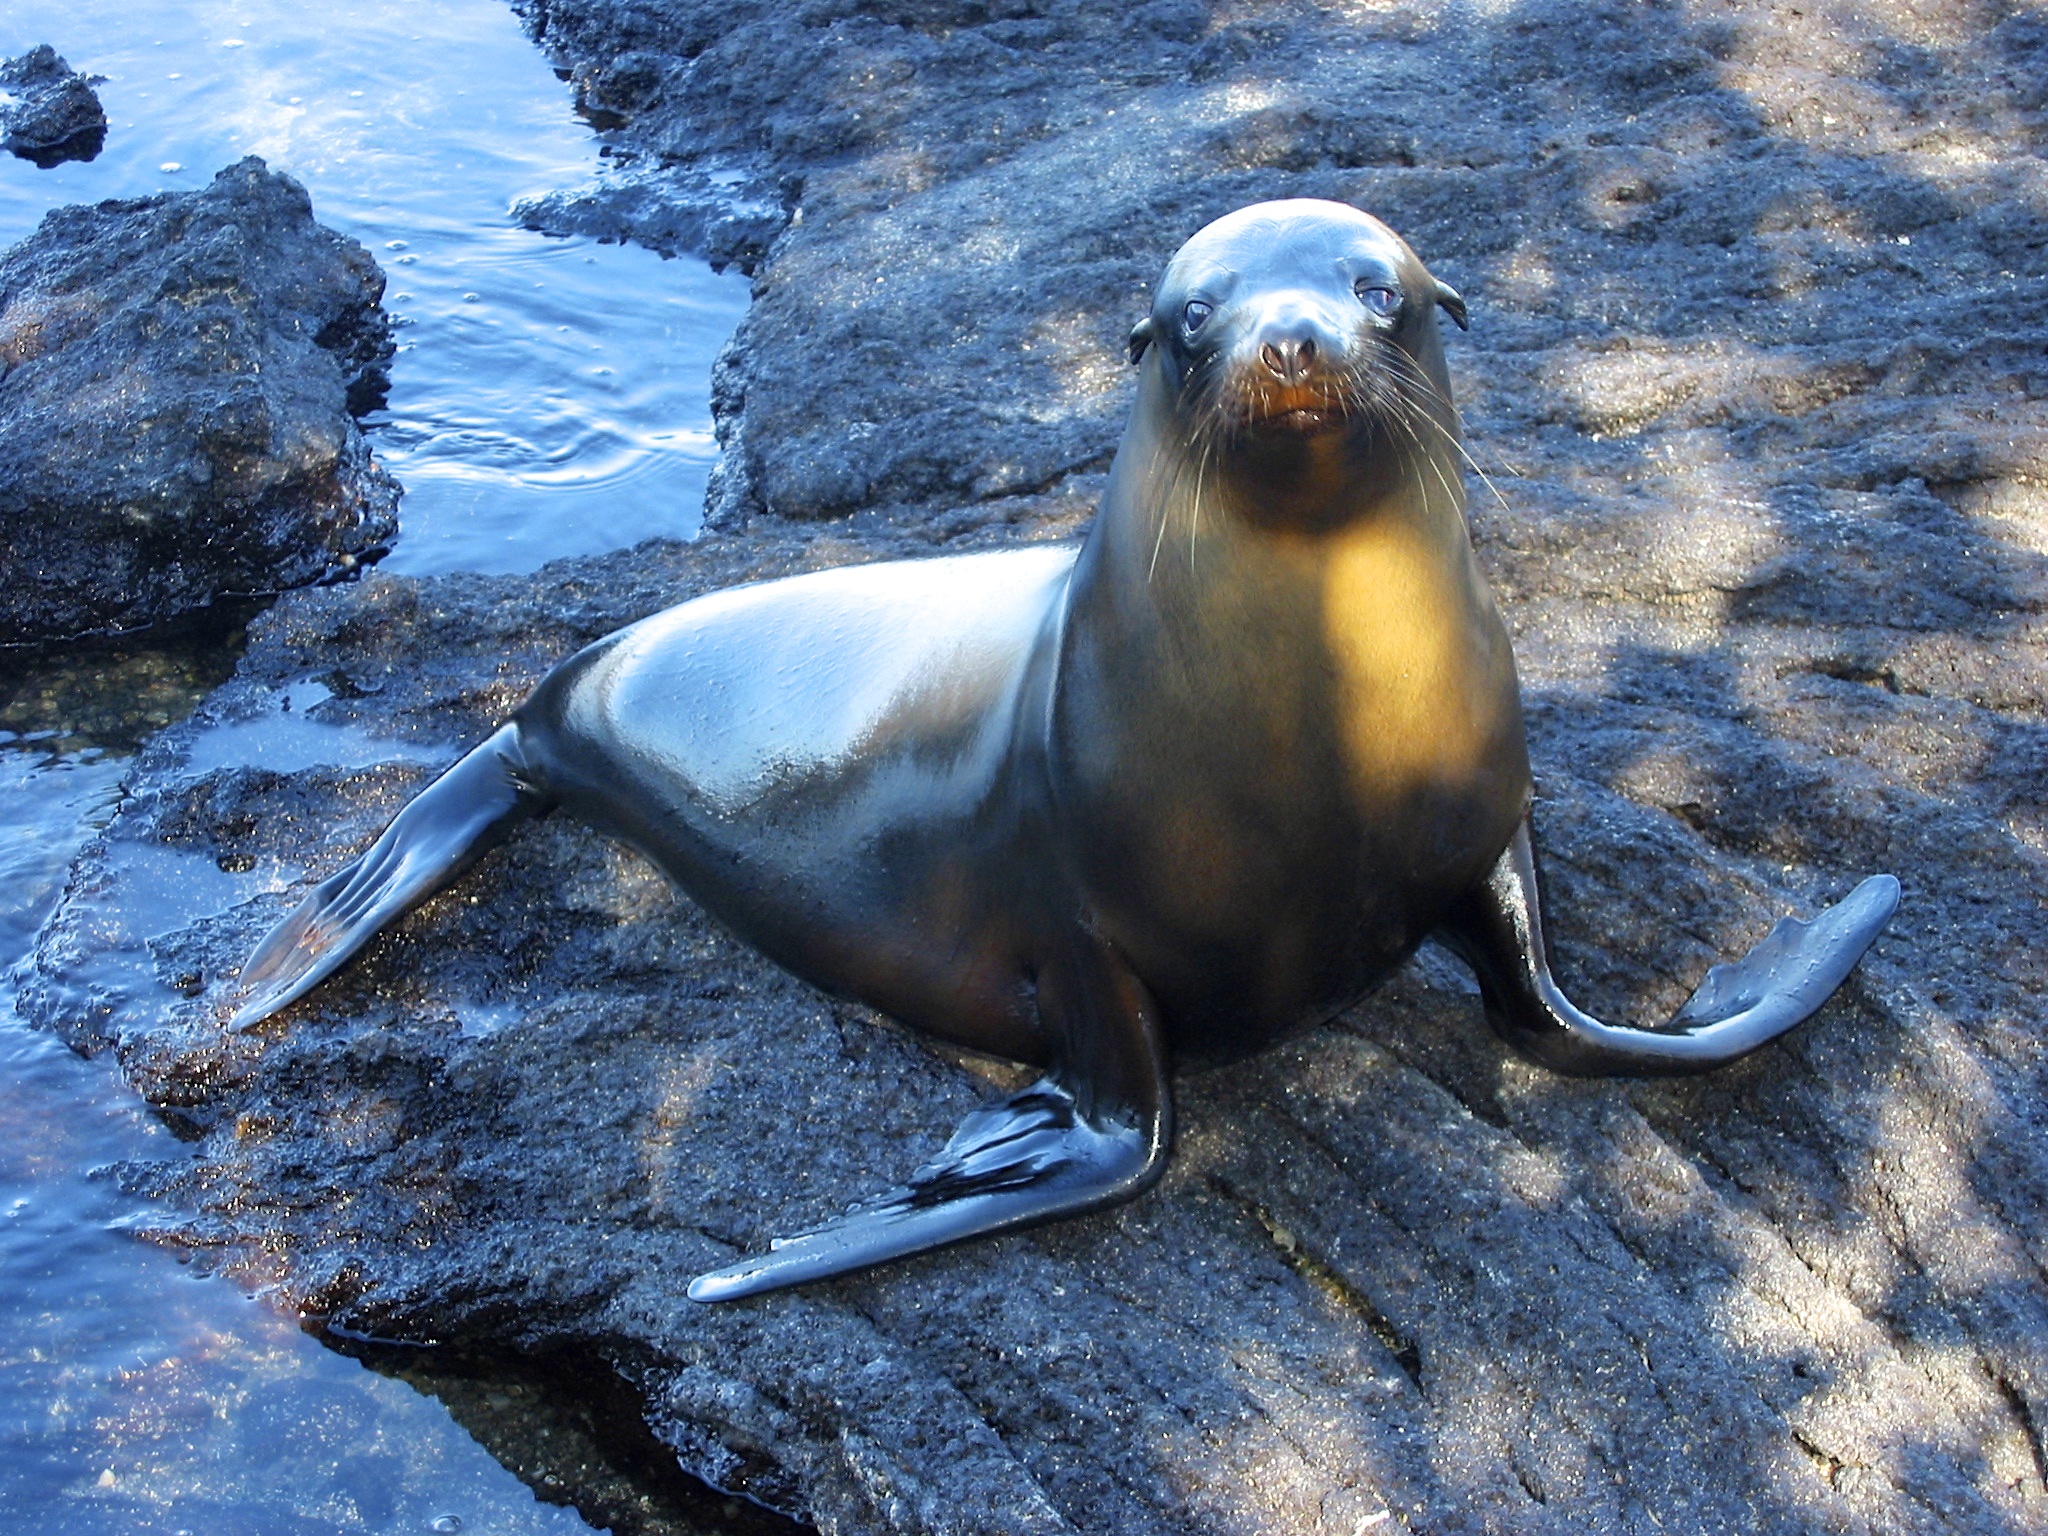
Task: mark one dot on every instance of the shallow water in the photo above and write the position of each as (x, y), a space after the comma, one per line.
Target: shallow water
(549, 399)
(134, 1396)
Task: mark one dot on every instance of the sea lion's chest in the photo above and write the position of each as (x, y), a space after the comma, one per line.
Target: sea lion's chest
(1422, 702)
(1288, 789)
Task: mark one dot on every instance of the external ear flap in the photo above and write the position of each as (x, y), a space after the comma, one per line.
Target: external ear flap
(1141, 338)
(1453, 304)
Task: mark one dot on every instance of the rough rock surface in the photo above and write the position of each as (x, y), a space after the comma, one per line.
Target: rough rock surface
(48, 111)
(177, 376)
(717, 217)
(1759, 298)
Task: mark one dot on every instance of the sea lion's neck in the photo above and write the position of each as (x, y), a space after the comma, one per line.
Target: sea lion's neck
(1326, 484)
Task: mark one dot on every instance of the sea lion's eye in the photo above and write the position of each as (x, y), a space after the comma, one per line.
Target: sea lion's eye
(1195, 314)
(1378, 298)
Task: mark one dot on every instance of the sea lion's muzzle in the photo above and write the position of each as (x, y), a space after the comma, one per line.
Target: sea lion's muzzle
(1289, 369)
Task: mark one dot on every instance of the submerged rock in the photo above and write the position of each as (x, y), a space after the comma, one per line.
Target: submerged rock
(1758, 306)
(48, 111)
(177, 377)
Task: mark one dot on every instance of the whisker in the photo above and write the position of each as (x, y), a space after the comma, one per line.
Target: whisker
(1411, 375)
(1377, 385)
(1165, 511)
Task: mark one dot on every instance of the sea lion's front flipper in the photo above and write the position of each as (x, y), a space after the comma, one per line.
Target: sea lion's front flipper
(454, 822)
(1498, 929)
(1093, 1133)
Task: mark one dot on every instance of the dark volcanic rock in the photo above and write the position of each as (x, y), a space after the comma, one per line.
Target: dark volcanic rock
(177, 376)
(673, 213)
(1759, 300)
(48, 112)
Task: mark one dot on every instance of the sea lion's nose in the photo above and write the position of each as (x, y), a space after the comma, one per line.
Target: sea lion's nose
(1293, 335)
(1289, 358)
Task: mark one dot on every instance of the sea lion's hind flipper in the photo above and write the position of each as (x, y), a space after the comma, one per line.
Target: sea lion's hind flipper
(1498, 929)
(449, 826)
(1045, 1153)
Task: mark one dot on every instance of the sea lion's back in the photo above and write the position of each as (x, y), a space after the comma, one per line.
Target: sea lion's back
(748, 695)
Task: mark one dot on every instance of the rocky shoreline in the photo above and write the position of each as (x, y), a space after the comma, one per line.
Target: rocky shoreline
(1758, 302)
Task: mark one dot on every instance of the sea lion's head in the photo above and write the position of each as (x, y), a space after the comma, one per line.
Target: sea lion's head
(1289, 324)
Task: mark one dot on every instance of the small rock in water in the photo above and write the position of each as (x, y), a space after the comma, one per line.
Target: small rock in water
(48, 112)
(722, 218)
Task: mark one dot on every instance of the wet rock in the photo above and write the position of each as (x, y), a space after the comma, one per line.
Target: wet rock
(48, 112)
(1758, 309)
(717, 218)
(177, 377)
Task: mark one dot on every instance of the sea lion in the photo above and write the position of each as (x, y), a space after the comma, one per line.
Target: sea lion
(1170, 794)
